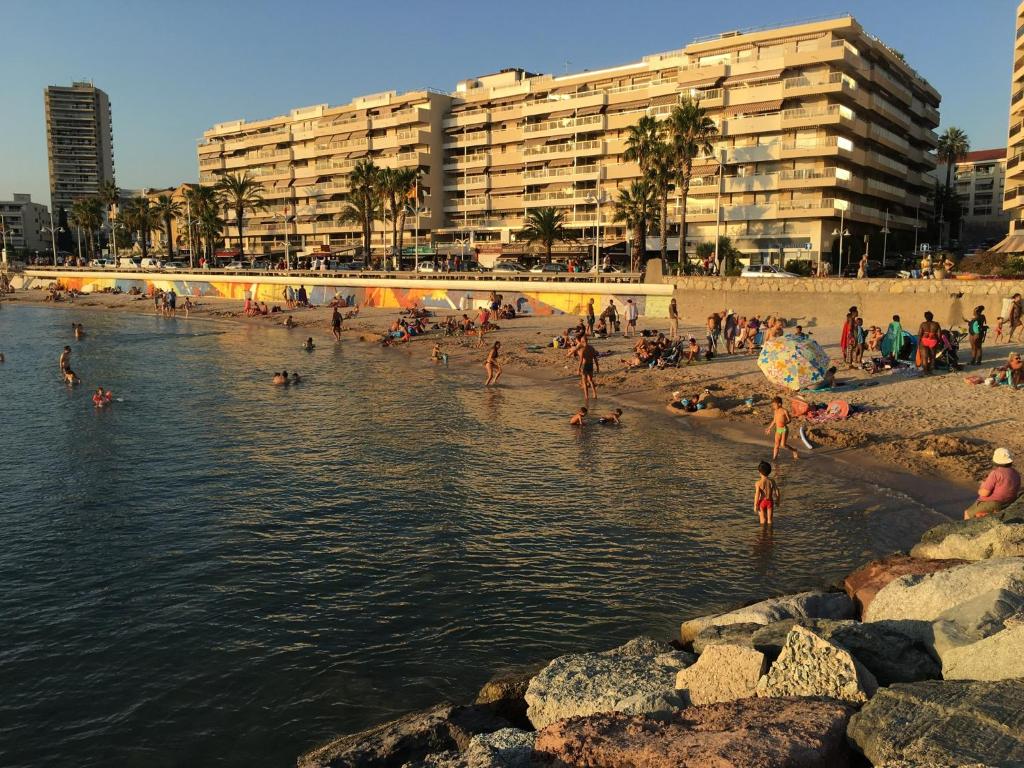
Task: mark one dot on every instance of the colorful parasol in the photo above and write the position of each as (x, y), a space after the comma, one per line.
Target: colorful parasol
(793, 363)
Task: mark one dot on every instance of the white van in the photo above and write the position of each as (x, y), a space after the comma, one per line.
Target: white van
(128, 262)
(151, 263)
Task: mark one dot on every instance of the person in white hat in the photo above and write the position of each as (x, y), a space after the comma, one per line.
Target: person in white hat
(999, 489)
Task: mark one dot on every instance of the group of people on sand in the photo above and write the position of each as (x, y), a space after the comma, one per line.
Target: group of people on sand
(295, 298)
(166, 303)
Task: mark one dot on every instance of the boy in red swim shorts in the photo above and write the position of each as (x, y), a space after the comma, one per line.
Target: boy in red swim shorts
(766, 494)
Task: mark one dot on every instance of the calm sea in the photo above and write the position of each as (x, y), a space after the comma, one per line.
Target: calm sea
(219, 572)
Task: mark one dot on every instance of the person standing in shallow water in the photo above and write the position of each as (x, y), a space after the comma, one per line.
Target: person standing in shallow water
(336, 324)
(492, 366)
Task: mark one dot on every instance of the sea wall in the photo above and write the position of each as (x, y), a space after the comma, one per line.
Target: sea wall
(826, 301)
(529, 296)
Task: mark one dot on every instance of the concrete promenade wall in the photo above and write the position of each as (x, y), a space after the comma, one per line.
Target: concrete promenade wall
(826, 301)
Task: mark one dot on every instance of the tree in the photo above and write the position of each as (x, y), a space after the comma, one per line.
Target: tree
(691, 133)
(646, 146)
(241, 192)
(546, 226)
(953, 147)
(392, 197)
(87, 214)
(110, 195)
(362, 201)
(204, 205)
(166, 210)
(139, 218)
(636, 209)
(408, 185)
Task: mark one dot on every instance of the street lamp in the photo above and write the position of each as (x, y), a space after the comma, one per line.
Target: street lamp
(283, 218)
(3, 236)
(53, 236)
(841, 232)
(885, 238)
(597, 198)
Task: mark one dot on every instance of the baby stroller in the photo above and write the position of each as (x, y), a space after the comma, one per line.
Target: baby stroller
(947, 353)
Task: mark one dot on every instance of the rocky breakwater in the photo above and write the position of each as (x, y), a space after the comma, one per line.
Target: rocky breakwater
(918, 663)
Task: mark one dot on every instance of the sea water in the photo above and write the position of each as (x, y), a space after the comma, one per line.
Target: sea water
(216, 571)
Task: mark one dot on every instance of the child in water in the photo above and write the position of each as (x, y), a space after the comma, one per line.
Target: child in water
(308, 345)
(766, 494)
(579, 418)
(438, 356)
(780, 422)
(611, 418)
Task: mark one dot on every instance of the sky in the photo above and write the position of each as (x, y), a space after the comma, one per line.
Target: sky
(174, 69)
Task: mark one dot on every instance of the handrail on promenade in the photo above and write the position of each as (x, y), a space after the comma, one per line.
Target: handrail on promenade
(559, 277)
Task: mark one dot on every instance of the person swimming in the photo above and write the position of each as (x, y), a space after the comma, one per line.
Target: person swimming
(612, 418)
(579, 418)
(280, 379)
(295, 379)
(308, 345)
(102, 399)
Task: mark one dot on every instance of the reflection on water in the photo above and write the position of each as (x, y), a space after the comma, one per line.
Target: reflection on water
(217, 571)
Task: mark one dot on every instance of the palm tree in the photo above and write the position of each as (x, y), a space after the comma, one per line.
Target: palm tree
(87, 213)
(241, 193)
(953, 147)
(166, 210)
(362, 201)
(201, 202)
(138, 217)
(211, 226)
(109, 194)
(636, 209)
(646, 146)
(391, 197)
(545, 225)
(691, 133)
(407, 182)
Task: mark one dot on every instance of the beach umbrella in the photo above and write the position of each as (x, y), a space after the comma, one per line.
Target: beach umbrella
(791, 362)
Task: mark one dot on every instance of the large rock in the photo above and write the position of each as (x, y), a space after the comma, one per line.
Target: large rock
(812, 605)
(752, 733)
(886, 651)
(979, 539)
(863, 584)
(636, 678)
(917, 601)
(505, 694)
(943, 723)
(722, 673)
(728, 634)
(412, 737)
(809, 665)
(982, 639)
(507, 748)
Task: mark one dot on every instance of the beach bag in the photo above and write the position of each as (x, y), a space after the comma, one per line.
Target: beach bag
(919, 358)
(798, 406)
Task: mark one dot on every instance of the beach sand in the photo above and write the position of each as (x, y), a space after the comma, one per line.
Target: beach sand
(937, 426)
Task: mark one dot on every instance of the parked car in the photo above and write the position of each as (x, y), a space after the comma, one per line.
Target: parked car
(766, 270)
(427, 266)
(129, 262)
(149, 263)
(553, 267)
(606, 270)
(350, 266)
(102, 263)
(175, 265)
(508, 266)
(236, 265)
(262, 265)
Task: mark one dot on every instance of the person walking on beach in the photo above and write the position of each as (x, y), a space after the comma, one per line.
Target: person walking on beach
(846, 338)
(589, 364)
(729, 331)
(766, 494)
(976, 330)
(590, 317)
(1016, 317)
(630, 315)
(999, 489)
(780, 422)
(673, 320)
(492, 366)
(336, 324)
(612, 316)
(928, 336)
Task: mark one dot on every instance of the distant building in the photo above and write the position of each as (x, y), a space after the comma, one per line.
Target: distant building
(979, 186)
(22, 222)
(1013, 197)
(178, 225)
(79, 142)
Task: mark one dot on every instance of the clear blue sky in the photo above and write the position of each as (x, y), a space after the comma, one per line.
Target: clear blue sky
(173, 69)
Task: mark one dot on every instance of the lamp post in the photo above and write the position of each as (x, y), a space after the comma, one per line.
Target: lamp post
(3, 237)
(53, 236)
(718, 208)
(841, 232)
(283, 218)
(885, 237)
(597, 198)
(191, 233)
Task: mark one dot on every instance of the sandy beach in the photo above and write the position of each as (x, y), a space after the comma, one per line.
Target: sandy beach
(939, 426)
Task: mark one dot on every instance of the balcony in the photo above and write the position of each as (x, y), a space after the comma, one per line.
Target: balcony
(473, 139)
(565, 101)
(342, 146)
(746, 124)
(411, 159)
(460, 162)
(467, 118)
(566, 126)
(479, 181)
(576, 172)
(888, 138)
(559, 197)
(478, 203)
(567, 149)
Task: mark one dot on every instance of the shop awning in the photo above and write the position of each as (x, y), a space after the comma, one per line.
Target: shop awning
(1010, 244)
(357, 153)
(305, 181)
(753, 77)
(754, 108)
(700, 82)
(671, 98)
(630, 105)
(704, 170)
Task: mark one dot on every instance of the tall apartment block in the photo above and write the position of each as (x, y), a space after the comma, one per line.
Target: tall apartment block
(820, 123)
(79, 141)
(1013, 197)
(303, 159)
(980, 178)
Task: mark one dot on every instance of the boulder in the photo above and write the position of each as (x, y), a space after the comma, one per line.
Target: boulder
(636, 678)
(809, 665)
(917, 601)
(717, 634)
(805, 605)
(722, 673)
(886, 651)
(863, 584)
(412, 737)
(982, 639)
(505, 694)
(943, 723)
(752, 733)
(979, 539)
(507, 748)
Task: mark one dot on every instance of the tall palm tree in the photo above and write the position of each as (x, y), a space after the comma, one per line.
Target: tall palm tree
(953, 147)
(87, 213)
(109, 194)
(646, 146)
(546, 226)
(691, 133)
(392, 198)
(241, 193)
(203, 202)
(636, 208)
(166, 210)
(407, 182)
(138, 217)
(362, 200)
(211, 227)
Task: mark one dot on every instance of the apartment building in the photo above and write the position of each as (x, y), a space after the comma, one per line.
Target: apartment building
(22, 221)
(303, 160)
(179, 234)
(979, 181)
(79, 142)
(1013, 196)
(818, 123)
